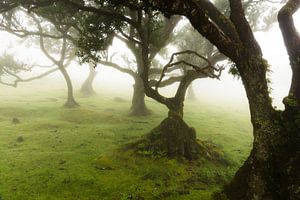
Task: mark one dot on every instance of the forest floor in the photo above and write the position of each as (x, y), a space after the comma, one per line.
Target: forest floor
(58, 153)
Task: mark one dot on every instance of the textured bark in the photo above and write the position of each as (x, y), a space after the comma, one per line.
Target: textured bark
(292, 42)
(178, 138)
(264, 175)
(138, 106)
(271, 170)
(172, 138)
(87, 87)
(71, 103)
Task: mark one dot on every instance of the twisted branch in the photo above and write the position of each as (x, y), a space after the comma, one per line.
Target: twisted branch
(208, 70)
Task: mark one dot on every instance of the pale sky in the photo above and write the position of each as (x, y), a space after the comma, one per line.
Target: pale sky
(227, 90)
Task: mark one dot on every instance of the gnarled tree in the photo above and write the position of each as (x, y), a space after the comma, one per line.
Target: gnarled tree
(87, 86)
(50, 37)
(270, 172)
(158, 28)
(173, 136)
(11, 68)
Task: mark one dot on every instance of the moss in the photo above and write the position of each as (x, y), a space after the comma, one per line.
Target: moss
(290, 101)
(220, 196)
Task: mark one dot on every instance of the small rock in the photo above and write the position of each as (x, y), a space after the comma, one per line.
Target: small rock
(62, 162)
(15, 120)
(119, 100)
(20, 139)
(104, 168)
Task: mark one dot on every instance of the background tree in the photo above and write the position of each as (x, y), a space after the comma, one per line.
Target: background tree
(51, 38)
(180, 141)
(60, 16)
(11, 70)
(87, 86)
(10, 67)
(160, 32)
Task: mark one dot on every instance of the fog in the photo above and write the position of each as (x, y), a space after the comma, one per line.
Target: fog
(228, 90)
(76, 122)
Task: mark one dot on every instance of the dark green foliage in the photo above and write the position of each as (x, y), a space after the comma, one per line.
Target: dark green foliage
(234, 71)
(96, 36)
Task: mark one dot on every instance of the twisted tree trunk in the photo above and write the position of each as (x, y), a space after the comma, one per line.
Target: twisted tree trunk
(191, 93)
(87, 87)
(256, 179)
(173, 137)
(271, 171)
(70, 103)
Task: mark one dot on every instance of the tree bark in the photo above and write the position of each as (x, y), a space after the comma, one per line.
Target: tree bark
(70, 103)
(180, 139)
(172, 138)
(87, 87)
(138, 106)
(292, 42)
(267, 173)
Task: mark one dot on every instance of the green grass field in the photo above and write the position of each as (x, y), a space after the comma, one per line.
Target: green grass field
(57, 153)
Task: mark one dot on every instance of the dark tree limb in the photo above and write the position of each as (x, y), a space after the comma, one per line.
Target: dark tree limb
(199, 69)
(100, 12)
(292, 42)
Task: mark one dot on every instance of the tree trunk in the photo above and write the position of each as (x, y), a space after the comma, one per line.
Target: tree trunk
(272, 170)
(275, 176)
(191, 93)
(138, 106)
(87, 87)
(275, 154)
(172, 138)
(292, 42)
(179, 138)
(71, 103)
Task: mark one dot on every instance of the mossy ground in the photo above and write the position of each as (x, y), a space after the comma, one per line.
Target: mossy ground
(75, 153)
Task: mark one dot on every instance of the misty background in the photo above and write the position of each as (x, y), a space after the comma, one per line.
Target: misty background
(228, 90)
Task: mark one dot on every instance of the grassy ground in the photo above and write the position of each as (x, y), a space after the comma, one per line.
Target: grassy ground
(58, 153)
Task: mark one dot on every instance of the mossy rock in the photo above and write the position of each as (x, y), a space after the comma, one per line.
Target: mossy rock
(104, 163)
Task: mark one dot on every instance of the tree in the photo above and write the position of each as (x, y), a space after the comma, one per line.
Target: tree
(160, 31)
(61, 16)
(51, 39)
(188, 38)
(87, 87)
(145, 26)
(11, 70)
(9, 66)
(270, 172)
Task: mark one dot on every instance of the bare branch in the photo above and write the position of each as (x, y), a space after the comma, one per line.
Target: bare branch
(199, 69)
(118, 67)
